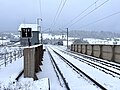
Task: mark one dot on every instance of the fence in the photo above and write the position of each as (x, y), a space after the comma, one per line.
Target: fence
(9, 57)
(108, 52)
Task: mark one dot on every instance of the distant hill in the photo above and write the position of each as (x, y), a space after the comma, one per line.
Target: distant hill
(94, 34)
(87, 34)
(72, 33)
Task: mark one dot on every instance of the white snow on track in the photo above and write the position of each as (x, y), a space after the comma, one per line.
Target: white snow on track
(75, 81)
(111, 83)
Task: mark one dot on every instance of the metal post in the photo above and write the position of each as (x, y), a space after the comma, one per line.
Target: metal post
(101, 51)
(5, 59)
(39, 27)
(67, 38)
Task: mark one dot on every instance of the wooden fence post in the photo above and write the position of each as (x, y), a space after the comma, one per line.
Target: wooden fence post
(29, 63)
(92, 50)
(85, 49)
(113, 53)
(10, 57)
(37, 59)
(101, 51)
(5, 59)
(41, 55)
(42, 51)
(71, 47)
(14, 55)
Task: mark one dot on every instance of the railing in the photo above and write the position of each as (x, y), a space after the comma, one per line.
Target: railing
(108, 52)
(9, 57)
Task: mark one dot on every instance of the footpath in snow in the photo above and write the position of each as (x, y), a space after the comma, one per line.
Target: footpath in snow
(108, 81)
(11, 71)
(48, 72)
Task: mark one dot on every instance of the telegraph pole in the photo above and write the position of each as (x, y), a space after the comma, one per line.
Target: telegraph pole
(67, 38)
(39, 20)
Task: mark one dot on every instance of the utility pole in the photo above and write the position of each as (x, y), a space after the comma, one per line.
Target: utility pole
(67, 38)
(39, 20)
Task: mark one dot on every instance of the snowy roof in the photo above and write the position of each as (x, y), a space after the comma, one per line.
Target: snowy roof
(33, 26)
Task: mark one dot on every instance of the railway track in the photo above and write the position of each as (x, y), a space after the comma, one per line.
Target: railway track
(103, 62)
(58, 72)
(75, 69)
(105, 66)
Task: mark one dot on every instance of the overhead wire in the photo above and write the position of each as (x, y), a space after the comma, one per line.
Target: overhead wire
(61, 9)
(81, 13)
(57, 13)
(101, 19)
(61, 6)
(88, 13)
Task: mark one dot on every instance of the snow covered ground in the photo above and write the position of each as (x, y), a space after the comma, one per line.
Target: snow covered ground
(108, 81)
(9, 73)
(48, 71)
(75, 81)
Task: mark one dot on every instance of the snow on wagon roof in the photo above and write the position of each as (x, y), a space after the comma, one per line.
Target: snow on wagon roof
(33, 26)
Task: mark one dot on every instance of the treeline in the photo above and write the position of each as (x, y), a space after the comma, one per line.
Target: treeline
(87, 34)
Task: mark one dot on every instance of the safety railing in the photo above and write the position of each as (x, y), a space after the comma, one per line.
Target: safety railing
(9, 57)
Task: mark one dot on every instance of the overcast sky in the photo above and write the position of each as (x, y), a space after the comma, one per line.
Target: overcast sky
(15, 12)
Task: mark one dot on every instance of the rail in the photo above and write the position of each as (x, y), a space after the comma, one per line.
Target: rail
(78, 70)
(105, 66)
(55, 66)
